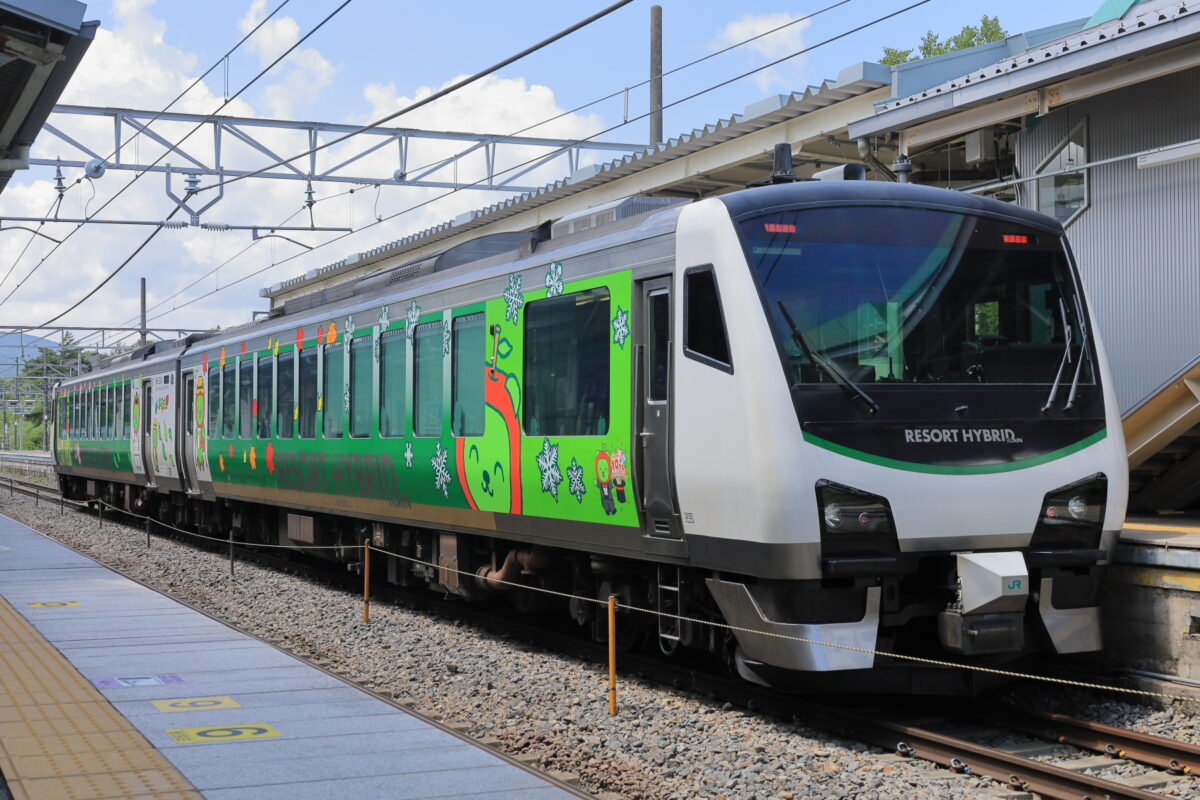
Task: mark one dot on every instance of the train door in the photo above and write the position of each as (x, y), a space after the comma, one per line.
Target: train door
(654, 429)
(147, 445)
(187, 408)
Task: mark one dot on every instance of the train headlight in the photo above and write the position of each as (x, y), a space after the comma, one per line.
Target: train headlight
(854, 522)
(1072, 515)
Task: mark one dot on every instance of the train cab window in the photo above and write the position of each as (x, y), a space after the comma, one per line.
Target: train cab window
(427, 375)
(361, 381)
(307, 425)
(264, 397)
(704, 337)
(466, 389)
(285, 393)
(333, 402)
(567, 364)
(392, 356)
(228, 401)
(245, 398)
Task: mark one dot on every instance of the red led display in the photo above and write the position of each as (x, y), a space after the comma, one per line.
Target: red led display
(1015, 238)
(778, 227)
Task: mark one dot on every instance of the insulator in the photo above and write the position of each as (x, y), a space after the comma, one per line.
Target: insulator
(308, 194)
(215, 226)
(59, 185)
(192, 182)
(175, 224)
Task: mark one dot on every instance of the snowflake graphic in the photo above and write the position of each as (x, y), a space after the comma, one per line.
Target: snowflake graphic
(513, 298)
(575, 480)
(554, 281)
(620, 326)
(413, 315)
(441, 475)
(346, 399)
(408, 454)
(445, 338)
(547, 464)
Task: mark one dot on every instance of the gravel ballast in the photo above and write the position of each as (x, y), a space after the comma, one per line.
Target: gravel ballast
(550, 709)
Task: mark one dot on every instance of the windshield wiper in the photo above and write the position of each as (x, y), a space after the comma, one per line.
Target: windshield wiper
(827, 366)
(1066, 359)
(1083, 352)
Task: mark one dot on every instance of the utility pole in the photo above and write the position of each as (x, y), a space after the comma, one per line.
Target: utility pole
(656, 124)
(142, 329)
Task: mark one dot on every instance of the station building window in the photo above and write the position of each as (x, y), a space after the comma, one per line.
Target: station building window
(308, 394)
(466, 389)
(427, 375)
(332, 402)
(361, 379)
(286, 393)
(264, 397)
(567, 364)
(1065, 196)
(393, 351)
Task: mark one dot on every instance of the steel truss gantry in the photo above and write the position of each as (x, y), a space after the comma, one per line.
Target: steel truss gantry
(250, 131)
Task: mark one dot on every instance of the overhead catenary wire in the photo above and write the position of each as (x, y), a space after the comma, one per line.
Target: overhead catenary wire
(120, 145)
(195, 128)
(517, 132)
(609, 129)
(483, 73)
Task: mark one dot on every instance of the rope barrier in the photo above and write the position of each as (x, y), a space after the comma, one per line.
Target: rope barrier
(613, 604)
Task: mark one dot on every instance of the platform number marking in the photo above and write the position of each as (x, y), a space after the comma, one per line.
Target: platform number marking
(223, 733)
(53, 604)
(195, 703)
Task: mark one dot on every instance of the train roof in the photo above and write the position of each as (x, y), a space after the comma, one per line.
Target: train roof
(764, 199)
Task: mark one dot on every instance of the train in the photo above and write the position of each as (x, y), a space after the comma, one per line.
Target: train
(833, 433)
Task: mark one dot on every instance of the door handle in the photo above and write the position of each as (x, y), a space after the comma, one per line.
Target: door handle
(646, 434)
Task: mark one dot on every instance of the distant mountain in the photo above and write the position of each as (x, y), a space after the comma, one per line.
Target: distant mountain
(10, 350)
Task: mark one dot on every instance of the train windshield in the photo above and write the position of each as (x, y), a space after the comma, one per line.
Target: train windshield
(870, 295)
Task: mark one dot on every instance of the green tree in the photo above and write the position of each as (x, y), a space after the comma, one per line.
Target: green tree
(988, 30)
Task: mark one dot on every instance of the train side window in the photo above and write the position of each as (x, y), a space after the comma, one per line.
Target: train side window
(108, 412)
(245, 397)
(567, 364)
(704, 336)
(228, 401)
(214, 403)
(102, 408)
(308, 394)
(264, 396)
(89, 422)
(128, 409)
(118, 409)
(361, 380)
(285, 394)
(333, 403)
(393, 352)
(466, 388)
(427, 375)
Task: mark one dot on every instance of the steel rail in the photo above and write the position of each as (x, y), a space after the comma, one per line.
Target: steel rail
(1177, 757)
(961, 756)
(1017, 772)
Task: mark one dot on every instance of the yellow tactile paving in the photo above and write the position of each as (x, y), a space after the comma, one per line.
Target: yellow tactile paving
(60, 739)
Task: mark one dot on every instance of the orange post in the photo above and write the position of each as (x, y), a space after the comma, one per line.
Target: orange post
(612, 655)
(367, 581)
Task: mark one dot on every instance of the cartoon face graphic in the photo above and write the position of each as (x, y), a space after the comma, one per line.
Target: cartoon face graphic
(489, 466)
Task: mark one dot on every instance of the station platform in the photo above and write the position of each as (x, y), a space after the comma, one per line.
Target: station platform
(109, 689)
(1151, 599)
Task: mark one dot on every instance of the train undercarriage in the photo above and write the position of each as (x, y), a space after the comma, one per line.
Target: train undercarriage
(682, 612)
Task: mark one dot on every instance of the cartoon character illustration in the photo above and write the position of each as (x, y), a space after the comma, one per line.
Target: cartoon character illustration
(201, 432)
(489, 467)
(604, 482)
(136, 414)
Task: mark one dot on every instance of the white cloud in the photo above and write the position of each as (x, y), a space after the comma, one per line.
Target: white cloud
(777, 45)
(133, 64)
(306, 71)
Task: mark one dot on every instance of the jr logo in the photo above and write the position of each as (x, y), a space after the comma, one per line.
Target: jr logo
(1013, 585)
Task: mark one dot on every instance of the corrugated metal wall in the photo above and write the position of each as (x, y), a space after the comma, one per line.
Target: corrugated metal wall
(1138, 241)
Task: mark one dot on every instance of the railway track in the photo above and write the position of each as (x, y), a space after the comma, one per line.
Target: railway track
(895, 729)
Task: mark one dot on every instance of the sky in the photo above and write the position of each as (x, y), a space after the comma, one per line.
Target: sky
(371, 59)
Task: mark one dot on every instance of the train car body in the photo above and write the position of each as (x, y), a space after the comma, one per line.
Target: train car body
(867, 414)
